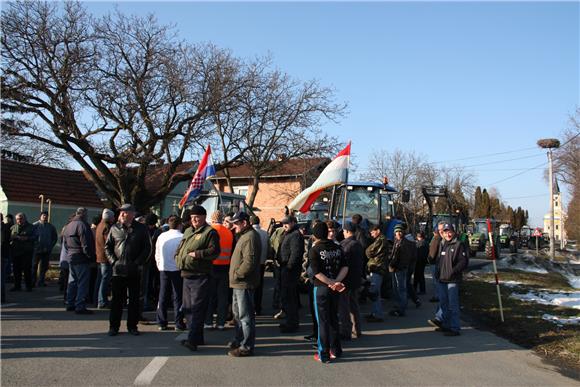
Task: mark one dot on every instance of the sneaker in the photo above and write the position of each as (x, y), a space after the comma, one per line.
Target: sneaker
(239, 352)
(113, 332)
(435, 323)
(233, 345)
(133, 332)
(188, 345)
(317, 358)
(334, 355)
(280, 315)
(451, 333)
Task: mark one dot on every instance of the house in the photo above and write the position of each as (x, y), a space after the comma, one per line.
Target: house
(277, 188)
(23, 186)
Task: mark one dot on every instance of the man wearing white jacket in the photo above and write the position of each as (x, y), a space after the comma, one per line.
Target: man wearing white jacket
(169, 274)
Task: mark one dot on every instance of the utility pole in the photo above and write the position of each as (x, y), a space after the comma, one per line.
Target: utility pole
(549, 144)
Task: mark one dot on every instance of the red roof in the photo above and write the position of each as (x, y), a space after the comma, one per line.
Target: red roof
(22, 182)
(292, 167)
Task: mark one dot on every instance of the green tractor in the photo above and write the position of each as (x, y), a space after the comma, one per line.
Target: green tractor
(451, 217)
(508, 238)
(479, 238)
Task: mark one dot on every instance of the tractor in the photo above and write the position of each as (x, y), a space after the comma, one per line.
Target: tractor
(508, 238)
(213, 199)
(479, 239)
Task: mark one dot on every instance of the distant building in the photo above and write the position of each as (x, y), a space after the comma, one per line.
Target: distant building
(559, 218)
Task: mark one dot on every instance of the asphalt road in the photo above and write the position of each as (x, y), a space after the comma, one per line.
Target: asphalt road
(42, 345)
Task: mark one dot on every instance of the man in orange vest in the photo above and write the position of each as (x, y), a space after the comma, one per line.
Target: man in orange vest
(218, 283)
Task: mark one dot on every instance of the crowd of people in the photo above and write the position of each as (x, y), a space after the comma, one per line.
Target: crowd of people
(211, 271)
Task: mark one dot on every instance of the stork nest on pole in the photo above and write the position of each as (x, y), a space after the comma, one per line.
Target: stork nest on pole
(549, 143)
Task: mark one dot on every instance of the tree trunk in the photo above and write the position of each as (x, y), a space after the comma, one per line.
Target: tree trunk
(255, 188)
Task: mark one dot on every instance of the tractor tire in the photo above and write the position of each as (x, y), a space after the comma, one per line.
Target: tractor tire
(488, 252)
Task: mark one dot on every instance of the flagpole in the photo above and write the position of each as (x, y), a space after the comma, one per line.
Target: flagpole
(345, 191)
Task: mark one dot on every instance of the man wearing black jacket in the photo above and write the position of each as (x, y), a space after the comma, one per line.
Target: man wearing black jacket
(451, 262)
(348, 308)
(403, 253)
(128, 248)
(289, 257)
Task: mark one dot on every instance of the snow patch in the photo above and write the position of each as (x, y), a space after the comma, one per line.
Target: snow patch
(561, 320)
(567, 300)
(573, 280)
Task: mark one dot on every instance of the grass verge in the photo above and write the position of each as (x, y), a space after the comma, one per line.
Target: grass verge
(523, 320)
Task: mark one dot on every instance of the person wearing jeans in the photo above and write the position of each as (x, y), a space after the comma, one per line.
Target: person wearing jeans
(404, 253)
(244, 278)
(451, 262)
(105, 269)
(376, 254)
(80, 248)
(46, 238)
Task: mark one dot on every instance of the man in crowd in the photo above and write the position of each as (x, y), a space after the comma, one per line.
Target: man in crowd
(402, 255)
(21, 250)
(218, 279)
(244, 278)
(422, 253)
(105, 269)
(128, 247)
(432, 259)
(150, 275)
(349, 312)
(46, 238)
(80, 249)
(275, 241)
(264, 251)
(4, 254)
(198, 248)
(376, 265)
(170, 276)
(451, 262)
(290, 259)
(328, 269)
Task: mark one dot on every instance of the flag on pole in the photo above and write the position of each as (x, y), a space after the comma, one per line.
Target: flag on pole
(205, 170)
(335, 173)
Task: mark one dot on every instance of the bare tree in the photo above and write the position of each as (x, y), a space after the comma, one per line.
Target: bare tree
(567, 157)
(119, 94)
(283, 118)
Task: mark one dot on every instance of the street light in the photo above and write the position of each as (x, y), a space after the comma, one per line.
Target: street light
(549, 144)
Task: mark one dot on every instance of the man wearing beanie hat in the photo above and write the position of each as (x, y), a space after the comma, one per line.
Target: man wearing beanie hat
(198, 248)
(105, 269)
(46, 238)
(403, 254)
(329, 268)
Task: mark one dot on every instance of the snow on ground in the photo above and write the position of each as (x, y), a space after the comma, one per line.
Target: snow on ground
(568, 299)
(574, 280)
(561, 320)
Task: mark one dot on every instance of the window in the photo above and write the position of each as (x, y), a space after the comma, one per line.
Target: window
(241, 191)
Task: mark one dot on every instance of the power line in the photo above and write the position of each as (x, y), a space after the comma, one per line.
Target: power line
(501, 161)
(484, 155)
(518, 174)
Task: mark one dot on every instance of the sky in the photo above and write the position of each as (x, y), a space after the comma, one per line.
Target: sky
(460, 83)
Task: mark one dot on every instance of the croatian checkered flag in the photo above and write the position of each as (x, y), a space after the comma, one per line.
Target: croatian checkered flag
(205, 170)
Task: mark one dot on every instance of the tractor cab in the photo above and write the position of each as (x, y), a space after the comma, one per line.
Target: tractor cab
(212, 200)
(372, 200)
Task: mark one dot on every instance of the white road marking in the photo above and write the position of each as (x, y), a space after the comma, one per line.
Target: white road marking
(148, 374)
